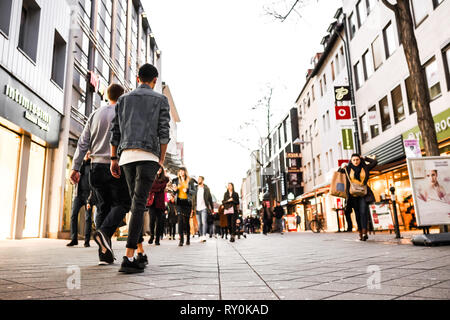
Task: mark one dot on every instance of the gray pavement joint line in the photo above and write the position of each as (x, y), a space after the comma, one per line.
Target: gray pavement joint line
(426, 287)
(276, 295)
(218, 270)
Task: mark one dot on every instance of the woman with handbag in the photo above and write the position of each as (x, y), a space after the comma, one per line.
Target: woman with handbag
(359, 194)
(231, 204)
(157, 206)
(184, 187)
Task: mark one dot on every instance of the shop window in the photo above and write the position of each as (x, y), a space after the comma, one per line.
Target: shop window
(446, 56)
(5, 16)
(373, 122)
(410, 94)
(384, 114)
(420, 10)
(59, 60)
(389, 40)
(431, 69)
(367, 65)
(29, 28)
(377, 53)
(397, 104)
(364, 128)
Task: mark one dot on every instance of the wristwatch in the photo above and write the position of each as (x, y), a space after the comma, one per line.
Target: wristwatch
(114, 158)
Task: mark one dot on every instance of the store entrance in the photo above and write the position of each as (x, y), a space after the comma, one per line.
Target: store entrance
(35, 186)
(9, 161)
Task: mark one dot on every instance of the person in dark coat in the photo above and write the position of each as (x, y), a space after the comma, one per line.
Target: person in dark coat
(157, 206)
(267, 217)
(223, 222)
(82, 192)
(358, 171)
(172, 216)
(231, 209)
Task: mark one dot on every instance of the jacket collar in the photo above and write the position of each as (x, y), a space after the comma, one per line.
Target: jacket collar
(146, 86)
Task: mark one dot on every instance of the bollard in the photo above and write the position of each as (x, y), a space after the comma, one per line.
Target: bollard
(394, 205)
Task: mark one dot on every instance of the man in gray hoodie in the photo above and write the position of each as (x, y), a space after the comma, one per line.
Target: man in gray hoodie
(113, 199)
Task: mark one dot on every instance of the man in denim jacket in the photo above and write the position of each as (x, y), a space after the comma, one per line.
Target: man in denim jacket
(140, 135)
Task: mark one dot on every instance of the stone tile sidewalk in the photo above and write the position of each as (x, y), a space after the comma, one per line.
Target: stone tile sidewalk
(329, 266)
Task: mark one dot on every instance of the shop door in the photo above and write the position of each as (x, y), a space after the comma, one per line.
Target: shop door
(9, 161)
(35, 184)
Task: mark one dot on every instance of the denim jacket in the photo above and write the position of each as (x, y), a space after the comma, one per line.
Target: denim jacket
(141, 121)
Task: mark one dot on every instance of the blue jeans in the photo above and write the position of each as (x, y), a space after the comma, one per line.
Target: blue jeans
(202, 217)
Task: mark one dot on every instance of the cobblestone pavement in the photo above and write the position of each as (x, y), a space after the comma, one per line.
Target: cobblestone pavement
(274, 267)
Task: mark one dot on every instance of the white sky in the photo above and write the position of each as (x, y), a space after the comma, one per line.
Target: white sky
(218, 57)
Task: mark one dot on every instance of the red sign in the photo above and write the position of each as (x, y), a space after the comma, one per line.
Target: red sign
(340, 162)
(343, 113)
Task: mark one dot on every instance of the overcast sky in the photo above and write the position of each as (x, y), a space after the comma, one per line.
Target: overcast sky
(219, 59)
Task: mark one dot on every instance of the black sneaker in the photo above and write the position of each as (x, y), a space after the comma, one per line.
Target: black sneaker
(72, 243)
(87, 245)
(150, 241)
(232, 239)
(180, 244)
(103, 244)
(131, 267)
(142, 260)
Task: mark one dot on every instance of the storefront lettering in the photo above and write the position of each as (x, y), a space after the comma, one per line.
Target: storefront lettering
(33, 112)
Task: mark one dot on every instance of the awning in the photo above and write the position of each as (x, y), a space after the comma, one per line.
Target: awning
(389, 152)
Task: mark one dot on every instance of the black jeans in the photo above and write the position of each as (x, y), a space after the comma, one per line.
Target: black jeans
(348, 217)
(139, 176)
(113, 199)
(156, 222)
(267, 227)
(77, 204)
(184, 227)
(231, 218)
(360, 206)
(172, 228)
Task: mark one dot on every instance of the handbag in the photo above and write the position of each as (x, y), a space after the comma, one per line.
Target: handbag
(150, 199)
(338, 186)
(230, 210)
(356, 190)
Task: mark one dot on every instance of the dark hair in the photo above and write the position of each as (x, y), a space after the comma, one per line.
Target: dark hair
(356, 155)
(147, 73)
(201, 177)
(115, 91)
(231, 185)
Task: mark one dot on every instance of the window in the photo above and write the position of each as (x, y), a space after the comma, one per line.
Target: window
(328, 119)
(384, 114)
(333, 75)
(410, 94)
(446, 58)
(308, 100)
(316, 129)
(313, 93)
(370, 4)
(359, 75)
(325, 82)
(321, 88)
(324, 123)
(336, 63)
(420, 11)
(431, 69)
(397, 104)
(361, 12)
(377, 53)
(436, 3)
(328, 162)
(342, 58)
(364, 128)
(352, 23)
(59, 60)
(331, 158)
(303, 139)
(5, 15)
(389, 40)
(29, 28)
(367, 65)
(318, 165)
(373, 122)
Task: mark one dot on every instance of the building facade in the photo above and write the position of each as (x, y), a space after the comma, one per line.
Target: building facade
(386, 112)
(34, 36)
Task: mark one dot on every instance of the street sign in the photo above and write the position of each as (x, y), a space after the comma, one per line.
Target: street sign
(342, 93)
(347, 139)
(343, 113)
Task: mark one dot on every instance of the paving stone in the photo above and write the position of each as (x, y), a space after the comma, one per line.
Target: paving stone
(360, 296)
(433, 292)
(387, 290)
(335, 286)
(303, 294)
(107, 296)
(27, 295)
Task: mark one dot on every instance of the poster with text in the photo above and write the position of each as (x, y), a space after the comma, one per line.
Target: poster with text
(430, 182)
(380, 213)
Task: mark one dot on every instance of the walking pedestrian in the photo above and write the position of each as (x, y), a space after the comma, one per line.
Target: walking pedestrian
(113, 199)
(82, 192)
(185, 189)
(202, 206)
(172, 216)
(279, 213)
(140, 135)
(358, 172)
(223, 222)
(157, 206)
(298, 221)
(267, 217)
(231, 207)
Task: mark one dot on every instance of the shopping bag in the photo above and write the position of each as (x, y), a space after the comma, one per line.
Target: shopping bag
(338, 185)
(193, 223)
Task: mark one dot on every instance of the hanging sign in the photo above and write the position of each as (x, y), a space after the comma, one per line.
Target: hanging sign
(342, 93)
(347, 139)
(343, 113)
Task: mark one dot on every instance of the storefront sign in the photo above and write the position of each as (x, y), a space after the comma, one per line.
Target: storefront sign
(430, 181)
(291, 155)
(412, 148)
(380, 213)
(343, 113)
(25, 109)
(442, 125)
(342, 93)
(347, 139)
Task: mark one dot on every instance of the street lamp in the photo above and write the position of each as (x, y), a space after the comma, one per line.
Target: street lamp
(300, 142)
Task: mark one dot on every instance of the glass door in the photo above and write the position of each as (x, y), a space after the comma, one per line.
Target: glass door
(35, 186)
(9, 161)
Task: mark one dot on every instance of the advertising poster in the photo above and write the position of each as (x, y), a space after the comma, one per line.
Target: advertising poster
(412, 148)
(430, 181)
(291, 223)
(380, 213)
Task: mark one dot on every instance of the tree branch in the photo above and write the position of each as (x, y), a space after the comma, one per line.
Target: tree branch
(391, 6)
(281, 17)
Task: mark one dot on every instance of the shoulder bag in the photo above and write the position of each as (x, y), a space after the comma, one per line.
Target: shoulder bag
(356, 190)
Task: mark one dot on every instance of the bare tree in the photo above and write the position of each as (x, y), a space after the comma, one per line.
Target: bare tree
(421, 96)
